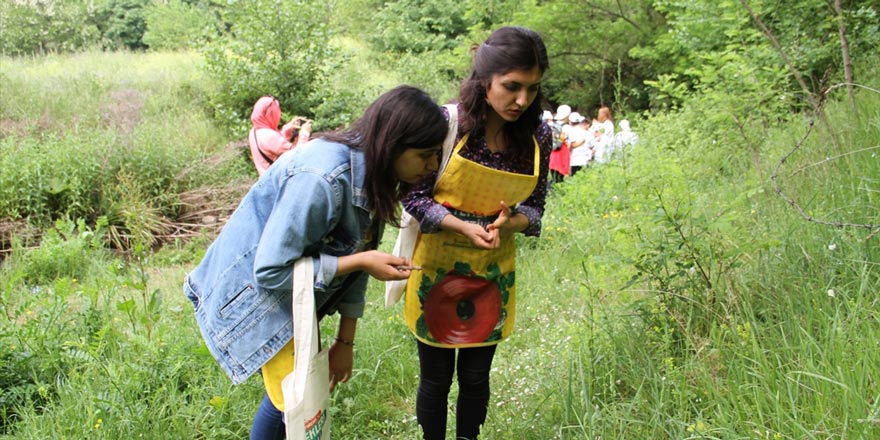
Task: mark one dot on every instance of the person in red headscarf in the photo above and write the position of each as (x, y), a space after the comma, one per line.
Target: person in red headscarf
(266, 142)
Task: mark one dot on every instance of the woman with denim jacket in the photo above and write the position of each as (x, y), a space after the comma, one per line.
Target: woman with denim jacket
(327, 199)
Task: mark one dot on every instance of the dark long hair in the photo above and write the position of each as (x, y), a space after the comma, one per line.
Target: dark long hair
(506, 49)
(402, 118)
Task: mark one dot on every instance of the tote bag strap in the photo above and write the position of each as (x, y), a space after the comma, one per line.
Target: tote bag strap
(305, 323)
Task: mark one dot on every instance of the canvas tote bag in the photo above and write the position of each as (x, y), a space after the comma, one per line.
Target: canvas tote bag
(307, 389)
(409, 227)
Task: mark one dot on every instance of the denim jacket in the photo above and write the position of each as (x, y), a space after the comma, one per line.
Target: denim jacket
(311, 202)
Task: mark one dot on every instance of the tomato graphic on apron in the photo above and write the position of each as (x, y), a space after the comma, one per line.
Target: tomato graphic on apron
(464, 296)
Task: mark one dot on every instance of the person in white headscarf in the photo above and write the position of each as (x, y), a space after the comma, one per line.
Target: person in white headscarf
(625, 137)
(580, 142)
(603, 132)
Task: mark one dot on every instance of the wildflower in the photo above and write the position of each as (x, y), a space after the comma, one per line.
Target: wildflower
(832, 246)
(98, 423)
(831, 293)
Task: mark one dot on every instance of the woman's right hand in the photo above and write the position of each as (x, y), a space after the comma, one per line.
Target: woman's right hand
(479, 236)
(379, 265)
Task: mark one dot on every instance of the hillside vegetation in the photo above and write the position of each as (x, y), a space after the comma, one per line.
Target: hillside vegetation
(719, 279)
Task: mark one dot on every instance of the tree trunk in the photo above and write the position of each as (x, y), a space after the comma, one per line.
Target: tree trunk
(814, 99)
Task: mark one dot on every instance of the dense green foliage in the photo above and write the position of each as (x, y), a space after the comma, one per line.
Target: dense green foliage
(632, 55)
(104, 140)
(673, 293)
(273, 48)
(177, 25)
(64, 27)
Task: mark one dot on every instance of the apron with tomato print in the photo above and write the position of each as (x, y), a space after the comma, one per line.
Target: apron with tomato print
(464, 296)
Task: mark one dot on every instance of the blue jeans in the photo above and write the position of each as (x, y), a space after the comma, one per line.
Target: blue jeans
(268, 422)
(436, 367)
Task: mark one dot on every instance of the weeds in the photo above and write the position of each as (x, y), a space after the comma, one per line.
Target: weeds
(671, 296)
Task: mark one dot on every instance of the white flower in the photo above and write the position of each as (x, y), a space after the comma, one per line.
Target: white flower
(832, 246)
(831, 293)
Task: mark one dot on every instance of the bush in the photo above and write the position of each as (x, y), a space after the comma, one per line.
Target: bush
(122, 24)
(273, 48)
(66, 251)
(176, 25)
(63, 27)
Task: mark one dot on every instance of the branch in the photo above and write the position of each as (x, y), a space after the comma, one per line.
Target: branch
(616, 14)
(813, 99)
(790, 201)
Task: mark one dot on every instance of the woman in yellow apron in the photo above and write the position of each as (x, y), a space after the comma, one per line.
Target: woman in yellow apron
(462, 300)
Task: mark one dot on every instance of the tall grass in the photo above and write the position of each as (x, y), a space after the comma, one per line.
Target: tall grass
(672, 295)
(76, 131)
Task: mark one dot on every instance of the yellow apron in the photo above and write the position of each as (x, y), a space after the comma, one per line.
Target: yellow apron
(274, 371)
(464, 296)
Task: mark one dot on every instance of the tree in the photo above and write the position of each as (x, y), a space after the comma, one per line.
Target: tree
(122, 23)
(273, 47)
(175, 24)
(42, 26)
(419, 25)
(590, 44)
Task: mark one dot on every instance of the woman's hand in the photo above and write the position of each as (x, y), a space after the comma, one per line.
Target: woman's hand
(341, 355)
(507, 223)
(341, 362)
(480, 237)
(379, 265)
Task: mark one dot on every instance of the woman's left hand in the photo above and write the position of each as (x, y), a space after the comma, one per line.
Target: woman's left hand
(341, 362)
(505, 224)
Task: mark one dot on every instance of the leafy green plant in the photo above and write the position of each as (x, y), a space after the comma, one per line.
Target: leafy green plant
(273, 48)
(64, 252)
(176, 24)
(122, 23)
(64, 27)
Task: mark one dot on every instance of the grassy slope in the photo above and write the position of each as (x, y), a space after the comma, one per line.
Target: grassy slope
(766, 352)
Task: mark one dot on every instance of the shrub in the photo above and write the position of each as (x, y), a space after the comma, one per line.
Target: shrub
(63, 27)
(122, 23)
(273, 48)
(177, 25)
(66, 251)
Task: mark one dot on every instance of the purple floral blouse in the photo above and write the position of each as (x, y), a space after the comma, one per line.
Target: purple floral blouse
(419, 202)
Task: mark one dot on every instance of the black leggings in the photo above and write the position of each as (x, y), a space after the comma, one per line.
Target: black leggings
(436, 366)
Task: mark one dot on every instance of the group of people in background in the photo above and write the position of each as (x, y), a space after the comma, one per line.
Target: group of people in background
(577, 142)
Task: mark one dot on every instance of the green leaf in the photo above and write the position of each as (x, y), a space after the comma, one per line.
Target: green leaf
(126, 306)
